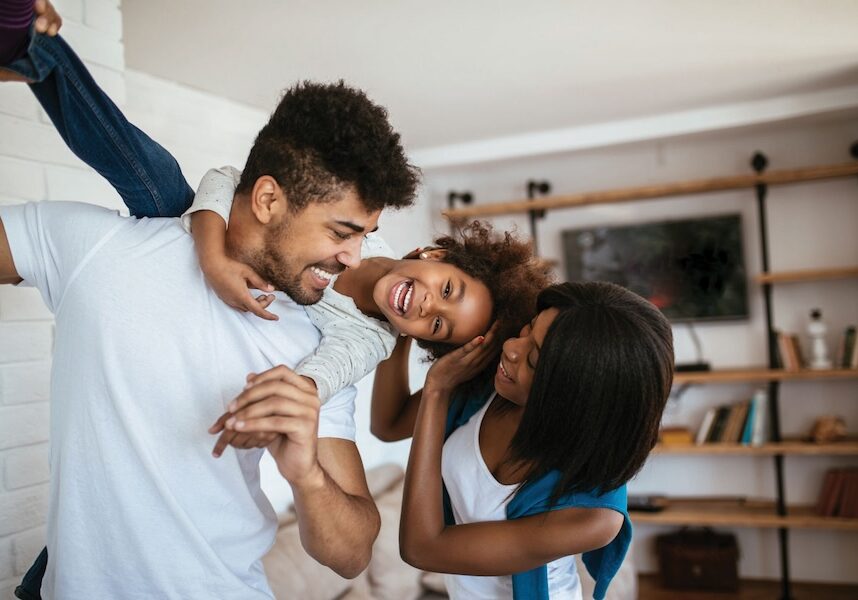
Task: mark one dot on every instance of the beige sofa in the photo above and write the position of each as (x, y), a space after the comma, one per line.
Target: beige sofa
(293, 574)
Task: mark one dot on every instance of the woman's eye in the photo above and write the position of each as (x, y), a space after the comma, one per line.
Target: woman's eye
(436, 325)
(447, 289)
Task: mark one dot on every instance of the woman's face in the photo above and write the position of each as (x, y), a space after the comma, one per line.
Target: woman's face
(514, 375)
(435, 301)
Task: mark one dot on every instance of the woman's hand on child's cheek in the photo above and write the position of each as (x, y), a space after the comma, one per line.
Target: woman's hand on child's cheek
(465, 363)
(231, 281)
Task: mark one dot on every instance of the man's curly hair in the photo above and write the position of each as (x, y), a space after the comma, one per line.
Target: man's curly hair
(507, 266)
(323, 139)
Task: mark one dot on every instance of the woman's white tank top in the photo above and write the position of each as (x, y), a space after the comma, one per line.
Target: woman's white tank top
(477, 496)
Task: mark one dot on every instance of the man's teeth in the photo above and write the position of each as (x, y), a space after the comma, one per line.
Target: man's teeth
(321, 274)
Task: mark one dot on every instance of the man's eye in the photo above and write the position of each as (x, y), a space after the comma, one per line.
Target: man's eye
(447, 289)
(342, 236)
(436, 325)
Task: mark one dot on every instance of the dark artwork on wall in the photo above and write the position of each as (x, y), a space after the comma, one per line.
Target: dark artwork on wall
(691, 269)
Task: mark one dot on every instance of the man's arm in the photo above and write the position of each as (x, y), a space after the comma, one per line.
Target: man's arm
(8, 273)
(337, 519)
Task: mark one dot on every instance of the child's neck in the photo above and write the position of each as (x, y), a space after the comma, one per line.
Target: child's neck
(358, 284)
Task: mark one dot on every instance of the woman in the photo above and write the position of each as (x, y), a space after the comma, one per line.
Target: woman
(532, 470)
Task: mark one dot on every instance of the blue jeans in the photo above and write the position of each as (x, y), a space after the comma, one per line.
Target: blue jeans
(146, 176)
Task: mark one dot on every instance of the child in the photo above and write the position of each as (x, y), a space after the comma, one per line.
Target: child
(534, 471)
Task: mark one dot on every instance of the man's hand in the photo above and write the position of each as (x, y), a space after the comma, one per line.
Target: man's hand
(231, 279)
(230, 437)
(281, 402)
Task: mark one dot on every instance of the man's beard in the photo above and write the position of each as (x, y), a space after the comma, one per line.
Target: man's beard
(281, 272)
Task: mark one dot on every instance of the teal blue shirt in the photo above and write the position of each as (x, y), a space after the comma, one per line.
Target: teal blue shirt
(533, 499)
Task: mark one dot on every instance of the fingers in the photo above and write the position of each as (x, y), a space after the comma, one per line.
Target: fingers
(219, 424)
(48, 20)
(282, 373)
(242, 440)
(273, 405)
(256, 282)
(259, 391)
(258, 305)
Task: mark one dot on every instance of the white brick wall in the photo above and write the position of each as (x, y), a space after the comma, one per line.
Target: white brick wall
(201, 130)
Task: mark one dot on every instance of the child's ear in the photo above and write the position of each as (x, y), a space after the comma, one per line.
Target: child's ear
(431, 253)
(267, 199)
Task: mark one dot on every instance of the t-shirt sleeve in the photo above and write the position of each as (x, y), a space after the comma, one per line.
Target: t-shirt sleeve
(51, 241)
(350, 348)
(337, 416)
(215, 193)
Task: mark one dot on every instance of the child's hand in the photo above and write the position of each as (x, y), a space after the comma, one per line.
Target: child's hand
(231, 279)
(463, 364)
(48, 20)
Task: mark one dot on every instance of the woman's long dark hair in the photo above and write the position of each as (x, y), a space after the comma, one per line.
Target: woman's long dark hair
(601, 382)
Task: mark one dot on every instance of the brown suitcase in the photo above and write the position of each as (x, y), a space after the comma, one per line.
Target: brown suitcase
(698, 559)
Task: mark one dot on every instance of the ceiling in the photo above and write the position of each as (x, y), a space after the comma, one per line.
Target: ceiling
(458, 71)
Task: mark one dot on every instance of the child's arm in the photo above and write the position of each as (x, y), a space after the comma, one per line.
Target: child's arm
(394, 407)
(207, 219)
(351, 346)
(492, 547)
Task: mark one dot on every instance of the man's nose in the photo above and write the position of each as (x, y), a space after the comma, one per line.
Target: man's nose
(350, 255)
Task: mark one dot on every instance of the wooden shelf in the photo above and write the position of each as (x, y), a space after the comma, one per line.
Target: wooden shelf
(741, 514)
(650, 192)
(807, 275)
(847, 448)
(761, 374)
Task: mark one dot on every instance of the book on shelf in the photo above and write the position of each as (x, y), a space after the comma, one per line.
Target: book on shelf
(838, 496)
(790, 352)
(675, 436)
(738, 423)
(760, 425)
(847, 356)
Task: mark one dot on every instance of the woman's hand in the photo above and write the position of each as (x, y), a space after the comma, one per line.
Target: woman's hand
(462, 364)
(231, 279)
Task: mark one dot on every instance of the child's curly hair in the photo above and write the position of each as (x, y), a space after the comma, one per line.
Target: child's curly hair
(507, 266)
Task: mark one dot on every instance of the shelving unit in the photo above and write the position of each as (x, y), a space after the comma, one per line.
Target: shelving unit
(784, 448)
(771, 514)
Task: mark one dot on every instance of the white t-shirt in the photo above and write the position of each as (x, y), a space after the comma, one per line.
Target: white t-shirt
(146, 357)
(476, 496)
(352, 343)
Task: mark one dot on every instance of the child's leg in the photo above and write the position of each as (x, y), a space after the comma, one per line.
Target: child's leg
(146, 176)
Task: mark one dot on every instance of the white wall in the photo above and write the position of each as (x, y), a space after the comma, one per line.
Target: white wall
(811, 225)
(202, 131)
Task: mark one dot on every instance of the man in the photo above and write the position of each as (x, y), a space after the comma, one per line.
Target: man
(146, 356)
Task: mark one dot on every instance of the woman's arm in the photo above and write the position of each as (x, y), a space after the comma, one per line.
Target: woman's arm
(489, 548)
(394, 407)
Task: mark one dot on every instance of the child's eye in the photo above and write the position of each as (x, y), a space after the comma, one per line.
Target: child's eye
(436, 325)
(447, 289)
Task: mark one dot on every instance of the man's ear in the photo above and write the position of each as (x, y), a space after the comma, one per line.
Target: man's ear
(267, 200)
(431, 253)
